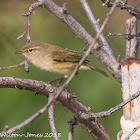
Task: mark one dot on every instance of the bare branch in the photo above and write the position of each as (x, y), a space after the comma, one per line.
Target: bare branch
(25, 63)
(71, 124)
(126, 36)
(15, 66)
(93, 127)
(28, 39)
(134, 130)
(27, 30)
(19, 126)
(122, 6)
(51, 118)
(28, 14)
(94, 22)
(112, 110)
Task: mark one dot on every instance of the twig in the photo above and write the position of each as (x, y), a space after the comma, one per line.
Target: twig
(71, 124)
(30, 119)
(134, 130)
(14, 66)
(28, 14)
(28, 39)
(112, 110)
(51, 118)
(25, 63)
(27, 30)
(85, 56)
(127, 36)
(134, 14)
(94, 128)
(96, 26)
(94, 22)
(123, 6)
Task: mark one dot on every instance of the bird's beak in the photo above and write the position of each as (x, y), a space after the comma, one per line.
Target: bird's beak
(19, 52)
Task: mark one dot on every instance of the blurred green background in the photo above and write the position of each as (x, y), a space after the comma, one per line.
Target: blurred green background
(92, 89)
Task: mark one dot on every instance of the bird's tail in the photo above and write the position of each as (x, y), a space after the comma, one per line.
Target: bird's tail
(88, 66)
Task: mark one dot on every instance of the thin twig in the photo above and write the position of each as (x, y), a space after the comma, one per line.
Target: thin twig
(134, 130)
(126, 36)
(112, 110)
(71, 124)
(28, 14)
(51, 118)
(96, 26)
(94, 22)
(28, 39)
(14, 66)
(85, 56)
(123, 6)
(19, 126)
(27, 30)
(25, 63)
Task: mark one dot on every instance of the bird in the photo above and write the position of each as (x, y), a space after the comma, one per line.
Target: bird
(54, 59)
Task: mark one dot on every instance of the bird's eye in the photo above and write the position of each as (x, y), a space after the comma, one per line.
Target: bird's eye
(30, 50)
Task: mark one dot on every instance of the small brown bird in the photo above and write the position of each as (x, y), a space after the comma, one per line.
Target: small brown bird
(54, 59)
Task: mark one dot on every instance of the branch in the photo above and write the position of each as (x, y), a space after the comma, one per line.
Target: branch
(19, 126)
(94, 22)
(93, 127)
(71, 124)
(112, 110)
(27, 29)
(27, 32)
(134, 130)
(51, 117)
(15, 66)
(126, 36)
(122, 6)
(25, 63)
(28, 14)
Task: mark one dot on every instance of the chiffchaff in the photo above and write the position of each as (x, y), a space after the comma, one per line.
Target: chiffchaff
(54, 59)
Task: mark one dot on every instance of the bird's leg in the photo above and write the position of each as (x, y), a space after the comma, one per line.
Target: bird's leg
(76, 73)
(59, 79)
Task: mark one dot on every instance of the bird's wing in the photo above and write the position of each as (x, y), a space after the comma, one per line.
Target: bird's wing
(65, 55)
